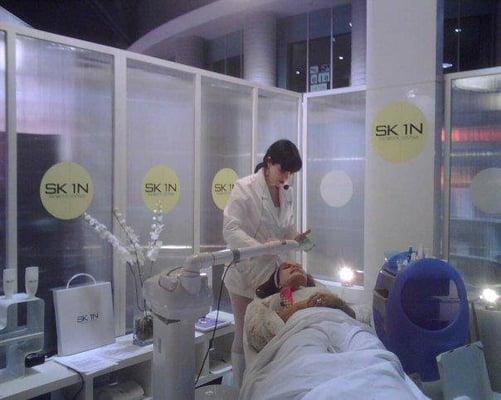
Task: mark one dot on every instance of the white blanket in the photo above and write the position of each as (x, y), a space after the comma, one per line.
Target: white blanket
(322, 353)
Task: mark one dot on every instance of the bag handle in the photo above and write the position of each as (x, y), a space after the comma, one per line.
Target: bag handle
(80, 274)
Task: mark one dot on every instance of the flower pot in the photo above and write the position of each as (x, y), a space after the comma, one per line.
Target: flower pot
(143, 329)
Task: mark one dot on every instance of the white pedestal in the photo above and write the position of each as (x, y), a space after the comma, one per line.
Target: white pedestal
(489, 327)
(17, 341)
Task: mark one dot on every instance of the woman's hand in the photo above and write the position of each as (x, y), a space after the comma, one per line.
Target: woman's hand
(286, 313)
(302, 236)
(322, 300)
(330, 300)
(300, 305)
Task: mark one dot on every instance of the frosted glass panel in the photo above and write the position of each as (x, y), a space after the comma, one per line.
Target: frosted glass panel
(335, 182)
(226, 143)
(160, 132)
(64, 113)
(475, 208)
(277, 119)
(3, 162)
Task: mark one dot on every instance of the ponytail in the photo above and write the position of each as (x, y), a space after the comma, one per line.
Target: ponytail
(259, 166)
(282, 152)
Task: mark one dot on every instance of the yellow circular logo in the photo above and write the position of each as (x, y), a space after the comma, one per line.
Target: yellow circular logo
(66, 190)
(161, 188)
(399, 132)
(222, 184)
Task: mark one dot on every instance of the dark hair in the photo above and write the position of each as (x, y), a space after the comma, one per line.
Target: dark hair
(282, 152)
(268, 288)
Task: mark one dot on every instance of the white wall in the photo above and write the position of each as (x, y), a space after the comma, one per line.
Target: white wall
(402, 59)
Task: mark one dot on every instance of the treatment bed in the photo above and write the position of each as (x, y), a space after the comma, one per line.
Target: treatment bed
(322, 353)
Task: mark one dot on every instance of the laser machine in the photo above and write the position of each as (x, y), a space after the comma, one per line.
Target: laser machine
(177, 301)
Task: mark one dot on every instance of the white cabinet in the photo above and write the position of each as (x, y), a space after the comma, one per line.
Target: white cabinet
(63, 383)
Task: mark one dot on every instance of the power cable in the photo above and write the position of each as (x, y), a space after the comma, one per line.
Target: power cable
(215, 325)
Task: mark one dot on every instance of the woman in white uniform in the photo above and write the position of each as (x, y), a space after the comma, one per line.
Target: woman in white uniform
(260, 209)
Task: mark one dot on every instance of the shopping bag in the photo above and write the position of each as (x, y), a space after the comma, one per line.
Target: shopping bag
(84, 316)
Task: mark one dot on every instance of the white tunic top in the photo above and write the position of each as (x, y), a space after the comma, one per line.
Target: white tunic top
(251, 218)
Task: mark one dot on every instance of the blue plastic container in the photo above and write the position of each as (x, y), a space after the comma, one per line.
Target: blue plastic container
(420, 312)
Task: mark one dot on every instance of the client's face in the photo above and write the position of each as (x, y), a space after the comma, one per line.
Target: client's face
(291, 275)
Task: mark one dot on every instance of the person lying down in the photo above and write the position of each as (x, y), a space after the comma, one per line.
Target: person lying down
(310, 347)
(288, 290)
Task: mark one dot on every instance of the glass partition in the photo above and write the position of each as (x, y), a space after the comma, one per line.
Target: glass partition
(226, 143)
(3, 163)
(65, 107)
(64, 113)
(160, 132)
(277, 119)
(475, 179)
(335, 182)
